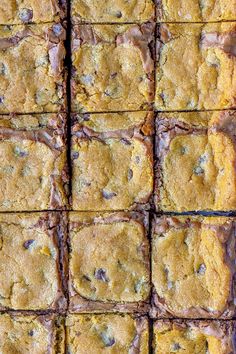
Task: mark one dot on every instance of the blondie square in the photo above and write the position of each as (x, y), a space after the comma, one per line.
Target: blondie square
(112, 67)
(104, 274)
(31, 334)
(33, 163)
(196, 161)
(32, 73)
(112, 161)
(107, 334)
(193, 267)
(28, 11)
(30, 261)
(195, 337)
(195, 11)
(196, 66)
(112, 11)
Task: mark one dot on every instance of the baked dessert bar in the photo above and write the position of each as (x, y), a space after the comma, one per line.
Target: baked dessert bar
(112, 67)
(195, 11)
(196, 161)
(31, 334)
(33, 166)
(195, 337)
(107, 333)
(32, 73)
(30, 261)
(196, 66)
(28, 11)
(112, 11)
(112, 161)
(193, 267)
(104, 275)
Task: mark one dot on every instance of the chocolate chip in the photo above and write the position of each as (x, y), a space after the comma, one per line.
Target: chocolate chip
(2, 69)
(57, 29)
(130, 174)
(202, 269)
(31, 333)
(1, 99)
(118, 14)
(86, 117)
(107, 340)
(108, 195)
(198, 170)
(28, 243)
(176, 347)
(100, 274)
(25, 15)
(74, 155)
(125, 141)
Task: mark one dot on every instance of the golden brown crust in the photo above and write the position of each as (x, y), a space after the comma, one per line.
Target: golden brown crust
(111, 230)
(204, 248)
(122, 78)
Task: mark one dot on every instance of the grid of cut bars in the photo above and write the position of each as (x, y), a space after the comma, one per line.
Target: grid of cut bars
(118, 182)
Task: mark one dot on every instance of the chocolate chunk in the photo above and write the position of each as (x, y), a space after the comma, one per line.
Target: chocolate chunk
(198, 170)
(118, 14)
(107, 340)
(202, 269)
(2, 69)
(74, 155)
(1, 99)
(25, 15)
(31, 333)
(108, 195)
(100, 274)
(130, 174)
(28, 243)
(176, 347)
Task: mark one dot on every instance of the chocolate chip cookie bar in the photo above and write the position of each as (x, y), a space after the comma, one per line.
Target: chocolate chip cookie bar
(112, 67)
(196, 161)
(106, 333)
(30, 261)
(196, 66)
(31, 334)
(33, 163)
(195, 337)
(195, 11)
(105, 276)
(31, 11)
(112, 161)
(203, 283)
(112, 11)
(32, 73)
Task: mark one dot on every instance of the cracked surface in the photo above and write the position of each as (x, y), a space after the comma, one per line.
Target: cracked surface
(107, 334)
(112, 67)
(202, 286)
(112, 162)
(30, 334)
(195, 337)
(196, 11)
(29, 262)
(33, 170)
(197, 155)
(25, 11)
(32, 65)
(102, 271)
(112, 11)
(196, 67)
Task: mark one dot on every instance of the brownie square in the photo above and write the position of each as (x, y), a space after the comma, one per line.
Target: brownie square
(107, 333)
(31, 334)
(193, 267)
(31, 11)
(196, 161)
(112, 161)
(30, 261)
(104, 275)
(195, 11)
(112, 67)
(196, 67)
(195, 337)
(32, 72)
(33, 162)
(112, 11)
